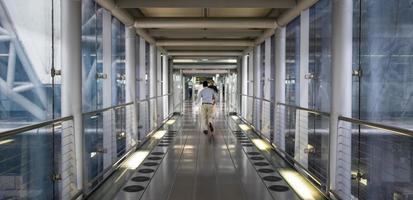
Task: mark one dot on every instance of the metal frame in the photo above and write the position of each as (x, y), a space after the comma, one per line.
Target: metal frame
(395, 130)
(34, 126)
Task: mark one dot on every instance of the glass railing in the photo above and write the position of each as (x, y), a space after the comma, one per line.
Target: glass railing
(375, 161)
(263, 108)
(303, 138)
(110, 135)
(105, 139)
(37, 161)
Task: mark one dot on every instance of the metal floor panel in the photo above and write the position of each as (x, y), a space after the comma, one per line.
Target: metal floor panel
(205, 170)
(196, 167)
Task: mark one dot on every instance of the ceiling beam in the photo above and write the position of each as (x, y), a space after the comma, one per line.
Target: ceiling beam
(204, 67)
(206, 4)
(201, 23)
(205, 53)
(200, 33)
(231, 43)
(200, 72)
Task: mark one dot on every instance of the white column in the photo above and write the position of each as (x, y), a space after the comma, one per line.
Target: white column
(301, 138)
(280, 86)
(141, 75)
(266, 106)
(165, 85)
(244, 85)
(109, 138)
(257, 86)
(159, 104)
(250, 101)
(130, 71)
(72, 86)
(268, 78)
(152, 84)
(341, 76)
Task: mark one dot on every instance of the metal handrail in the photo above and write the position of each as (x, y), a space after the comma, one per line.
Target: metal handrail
(106, 109)
(34, 126)
(261, 98)
(151, 98)
(396, 130)
(317, 112)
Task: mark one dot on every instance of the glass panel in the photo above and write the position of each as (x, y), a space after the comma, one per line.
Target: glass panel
(320, 56)
(386, 47)
(118, 62)
(92, 55)
(318, 147)
(292, 62)
(93, 150)
(384, 161)
(27, 164)
(26, 89)
(30, 160)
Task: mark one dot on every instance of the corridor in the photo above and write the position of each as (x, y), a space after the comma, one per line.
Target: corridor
(186, 164)
(97, 99)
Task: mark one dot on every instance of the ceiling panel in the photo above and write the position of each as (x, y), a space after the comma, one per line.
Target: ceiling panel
(172, 12)
(238, 12)
(195, 48)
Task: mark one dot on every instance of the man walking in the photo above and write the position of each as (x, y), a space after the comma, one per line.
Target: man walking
(206, 97)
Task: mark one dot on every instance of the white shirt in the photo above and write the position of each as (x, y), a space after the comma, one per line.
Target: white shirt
(207, 95)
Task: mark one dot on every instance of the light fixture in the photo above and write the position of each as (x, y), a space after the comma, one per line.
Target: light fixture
(159, 134)
(299, 184)
(136, 159)
(261, 144)
(244, 127)
(234, 117)
(170, 122)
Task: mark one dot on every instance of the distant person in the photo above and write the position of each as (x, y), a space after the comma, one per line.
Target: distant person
(206, 96)
(214, 87)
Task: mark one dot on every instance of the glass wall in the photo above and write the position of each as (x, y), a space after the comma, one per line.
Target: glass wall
(118, 62)
(320, 56)
(29, 93)
(382, 93)
(319, 88)
(92, 56)
(292, 64)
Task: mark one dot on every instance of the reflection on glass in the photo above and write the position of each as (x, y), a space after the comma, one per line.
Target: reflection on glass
(383, 46)
(292, 62)
(92, 56)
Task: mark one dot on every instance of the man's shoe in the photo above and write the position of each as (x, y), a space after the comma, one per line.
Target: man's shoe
(205, 132)
(211, 127)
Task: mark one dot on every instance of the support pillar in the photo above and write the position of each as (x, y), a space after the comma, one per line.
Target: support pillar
(280, 86)
(141, 92)
(244, 85)
(341, 84)
(130, 71)
(301, 136)
(152, 85)
(257, 85)
(165, 85)
(109, 137)
(72, 84)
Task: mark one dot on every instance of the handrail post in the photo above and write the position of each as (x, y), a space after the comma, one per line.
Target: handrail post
(72, 80)
(341, 84)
